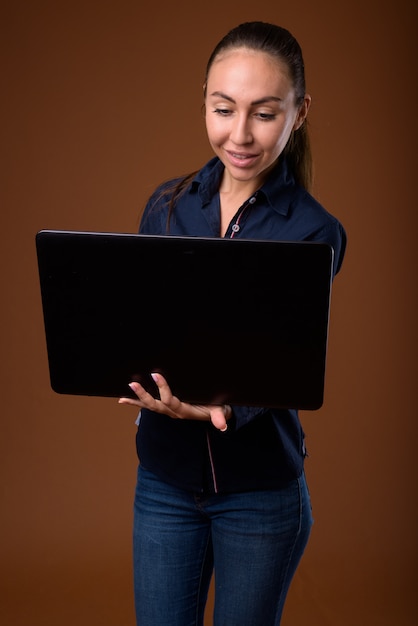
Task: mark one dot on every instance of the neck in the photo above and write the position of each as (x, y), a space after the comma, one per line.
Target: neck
(232, 187)
(237, 189)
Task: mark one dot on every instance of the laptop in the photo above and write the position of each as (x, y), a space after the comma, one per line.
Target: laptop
(226, 321)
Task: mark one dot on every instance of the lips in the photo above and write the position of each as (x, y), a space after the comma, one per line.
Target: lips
(241, 159)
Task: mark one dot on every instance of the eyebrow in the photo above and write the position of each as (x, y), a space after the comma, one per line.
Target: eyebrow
(259, 101)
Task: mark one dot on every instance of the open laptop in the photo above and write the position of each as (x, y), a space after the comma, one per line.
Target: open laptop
(225, 321)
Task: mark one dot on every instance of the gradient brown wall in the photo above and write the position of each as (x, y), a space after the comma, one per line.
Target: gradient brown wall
(100, 102)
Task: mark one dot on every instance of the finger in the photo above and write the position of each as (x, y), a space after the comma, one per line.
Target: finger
(146, 399)
(166, 395)
(130, 401)
(217, 417)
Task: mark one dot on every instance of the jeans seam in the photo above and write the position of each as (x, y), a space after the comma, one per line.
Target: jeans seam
(283, 591)
(208, 541)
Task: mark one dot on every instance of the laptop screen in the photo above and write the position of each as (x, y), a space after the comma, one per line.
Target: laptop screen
(225, 321)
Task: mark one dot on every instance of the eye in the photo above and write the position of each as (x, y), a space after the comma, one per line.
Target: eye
(266, 117)
(222, 112)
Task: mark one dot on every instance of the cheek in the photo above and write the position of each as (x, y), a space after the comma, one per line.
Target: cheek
(208, 125)
(277, 141)
(214, 130)
(273, 142)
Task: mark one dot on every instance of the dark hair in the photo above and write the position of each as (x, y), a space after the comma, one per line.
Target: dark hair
(279, 43)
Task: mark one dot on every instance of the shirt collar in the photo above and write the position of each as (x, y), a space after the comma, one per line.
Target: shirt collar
(280, 182)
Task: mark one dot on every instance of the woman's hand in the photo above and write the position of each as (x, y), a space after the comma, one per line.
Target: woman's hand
(173, 407)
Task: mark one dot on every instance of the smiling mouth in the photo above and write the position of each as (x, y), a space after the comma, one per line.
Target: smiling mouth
(241, 159)
(240, 155)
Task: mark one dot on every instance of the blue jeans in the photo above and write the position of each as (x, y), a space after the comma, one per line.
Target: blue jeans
(253, 541)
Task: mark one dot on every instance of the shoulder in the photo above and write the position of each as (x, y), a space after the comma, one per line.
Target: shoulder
(302, 217)
(323, 226)
(301, 210)
(155, 215)
(287, 197)
(172, 192)
(311, 207)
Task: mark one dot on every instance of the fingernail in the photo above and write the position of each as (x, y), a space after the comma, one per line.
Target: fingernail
(154, 377)
(224, 428)
(131, 385)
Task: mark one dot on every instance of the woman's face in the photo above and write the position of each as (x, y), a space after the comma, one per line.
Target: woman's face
(250, 113)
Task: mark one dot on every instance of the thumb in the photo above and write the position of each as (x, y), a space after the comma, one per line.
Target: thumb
(217, 417)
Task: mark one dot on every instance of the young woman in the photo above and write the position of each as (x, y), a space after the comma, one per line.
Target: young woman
(223, 488)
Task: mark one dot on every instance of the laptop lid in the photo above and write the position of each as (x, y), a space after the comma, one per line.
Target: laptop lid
(225, 321)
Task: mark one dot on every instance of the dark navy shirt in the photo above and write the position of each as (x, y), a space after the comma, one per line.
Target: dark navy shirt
(262, 448)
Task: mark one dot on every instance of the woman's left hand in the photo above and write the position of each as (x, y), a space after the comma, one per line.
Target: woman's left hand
(175, 408)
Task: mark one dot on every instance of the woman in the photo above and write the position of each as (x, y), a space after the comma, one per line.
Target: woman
(223, 488)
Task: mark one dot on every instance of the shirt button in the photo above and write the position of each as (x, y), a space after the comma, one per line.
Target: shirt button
(252, 200)
(235, 228)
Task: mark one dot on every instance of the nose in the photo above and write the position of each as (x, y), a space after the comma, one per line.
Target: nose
(241, 130)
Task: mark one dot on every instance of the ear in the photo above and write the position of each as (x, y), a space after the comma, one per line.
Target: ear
(302, 112)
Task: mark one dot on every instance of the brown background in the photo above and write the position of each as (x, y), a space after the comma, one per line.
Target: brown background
(100, 102)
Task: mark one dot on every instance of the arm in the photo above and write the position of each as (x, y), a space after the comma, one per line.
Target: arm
(334, 235)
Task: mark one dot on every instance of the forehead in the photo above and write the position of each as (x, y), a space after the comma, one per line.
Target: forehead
(249, 65)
